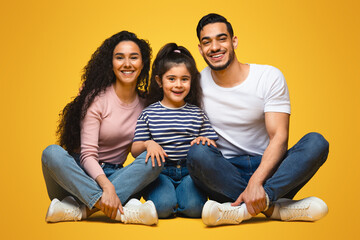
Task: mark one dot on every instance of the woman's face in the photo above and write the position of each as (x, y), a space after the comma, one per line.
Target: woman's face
(127, 62)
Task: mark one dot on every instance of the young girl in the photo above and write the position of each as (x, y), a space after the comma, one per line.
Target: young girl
(168, 127)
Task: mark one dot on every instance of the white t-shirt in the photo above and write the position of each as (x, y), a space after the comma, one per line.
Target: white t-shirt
(237, 114)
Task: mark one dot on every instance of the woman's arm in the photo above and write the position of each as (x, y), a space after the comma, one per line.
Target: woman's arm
(109, 202)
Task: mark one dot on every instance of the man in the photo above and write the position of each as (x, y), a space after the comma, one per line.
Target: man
(249, 107)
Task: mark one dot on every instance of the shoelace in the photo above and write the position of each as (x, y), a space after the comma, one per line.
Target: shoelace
(229, 215)
(72, 213)
(296, 211)
(131, 215)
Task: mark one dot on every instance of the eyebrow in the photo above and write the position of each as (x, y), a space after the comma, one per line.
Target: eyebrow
(217, 36)
(180, 76)
(120, 53)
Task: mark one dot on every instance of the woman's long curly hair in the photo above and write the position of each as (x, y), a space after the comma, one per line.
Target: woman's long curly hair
(97, 75)
(170, 55)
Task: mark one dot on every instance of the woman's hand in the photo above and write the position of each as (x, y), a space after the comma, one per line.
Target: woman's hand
(203, 140)
(109, 203)
(155, 152)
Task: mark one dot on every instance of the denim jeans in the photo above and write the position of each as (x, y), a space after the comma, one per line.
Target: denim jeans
(225, 179)
(64, 176)
(175, 192)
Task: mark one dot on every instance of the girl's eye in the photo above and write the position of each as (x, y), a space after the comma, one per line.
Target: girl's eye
(185, 79)
(172, 79)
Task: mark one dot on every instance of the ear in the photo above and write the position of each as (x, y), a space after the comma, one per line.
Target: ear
(158, 80)
(235, 42)
(200, 49)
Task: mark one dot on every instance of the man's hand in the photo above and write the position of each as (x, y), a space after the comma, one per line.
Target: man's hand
(154, 152)
(254, 197)
(203, 140)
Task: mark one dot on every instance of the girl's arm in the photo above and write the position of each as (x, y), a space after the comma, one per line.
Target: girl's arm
(154, 151)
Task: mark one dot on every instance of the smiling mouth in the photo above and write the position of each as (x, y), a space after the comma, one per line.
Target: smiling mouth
(177, 93)
(217, 56)
(127, 72)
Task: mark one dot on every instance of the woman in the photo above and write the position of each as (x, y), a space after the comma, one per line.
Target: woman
(96, 131)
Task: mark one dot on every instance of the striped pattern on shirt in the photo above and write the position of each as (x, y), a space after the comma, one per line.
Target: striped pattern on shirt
(173, 128)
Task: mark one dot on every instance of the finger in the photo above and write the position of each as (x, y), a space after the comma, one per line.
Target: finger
(162, 157)
(214, 143)
(113, 213)
(121, 208)
(147, 157)
(192, 142)
(251, 209)
(238, 201)
(158, 159)
(152, 160)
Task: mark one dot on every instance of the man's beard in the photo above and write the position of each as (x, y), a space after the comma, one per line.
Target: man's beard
(222, 67)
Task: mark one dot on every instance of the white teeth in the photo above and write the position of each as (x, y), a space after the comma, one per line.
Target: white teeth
(127, 72)
(215, 56)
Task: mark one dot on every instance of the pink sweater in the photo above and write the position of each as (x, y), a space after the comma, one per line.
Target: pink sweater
(107, 131)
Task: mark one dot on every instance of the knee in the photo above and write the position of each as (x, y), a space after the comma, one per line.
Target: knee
(150, 171)
(196, 154)
(50, 155)
(318, 141)
(319, 145)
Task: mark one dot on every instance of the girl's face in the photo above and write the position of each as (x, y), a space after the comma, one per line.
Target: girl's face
(127, 62)
(176, 85)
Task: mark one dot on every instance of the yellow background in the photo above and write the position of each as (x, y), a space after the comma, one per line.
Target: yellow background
(45, 45)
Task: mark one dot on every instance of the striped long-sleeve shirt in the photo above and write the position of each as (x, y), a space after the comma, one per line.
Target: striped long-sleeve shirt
(173, 128)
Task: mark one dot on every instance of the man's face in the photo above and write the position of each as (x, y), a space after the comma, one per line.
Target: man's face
(216, 46)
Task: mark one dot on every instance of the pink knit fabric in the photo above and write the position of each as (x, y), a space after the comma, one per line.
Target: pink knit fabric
(107, 131)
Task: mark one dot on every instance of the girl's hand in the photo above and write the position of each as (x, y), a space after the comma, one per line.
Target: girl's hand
(203, 140)
(154, 151)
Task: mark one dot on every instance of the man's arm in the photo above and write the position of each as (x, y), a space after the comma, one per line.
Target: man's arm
(277, 126)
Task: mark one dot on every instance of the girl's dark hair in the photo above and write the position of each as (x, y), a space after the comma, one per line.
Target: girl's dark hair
(168, 56)
(97, 75)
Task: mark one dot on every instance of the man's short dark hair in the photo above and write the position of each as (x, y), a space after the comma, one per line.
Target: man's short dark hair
(213, 18)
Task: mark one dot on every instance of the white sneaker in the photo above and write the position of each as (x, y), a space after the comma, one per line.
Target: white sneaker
(66, 210)
(307, 209)
(214, 213)
(137, 212)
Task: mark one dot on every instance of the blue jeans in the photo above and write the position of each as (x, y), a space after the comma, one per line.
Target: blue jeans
(64, 176)
(175, 192)
(225, 179)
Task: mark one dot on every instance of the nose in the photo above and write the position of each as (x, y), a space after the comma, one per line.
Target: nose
(178, 83)
(215, 46)
(127, 62)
